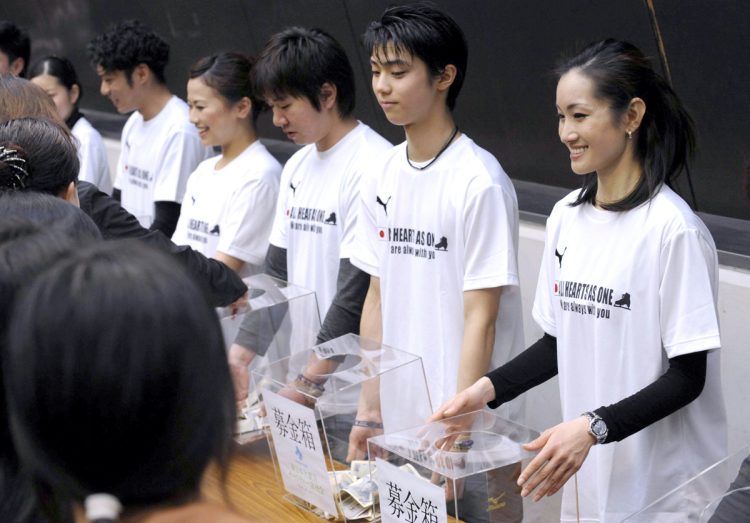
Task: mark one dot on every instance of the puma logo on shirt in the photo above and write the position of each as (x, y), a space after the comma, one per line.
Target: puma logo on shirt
(384, 204)
(293, 188)
(560, 256)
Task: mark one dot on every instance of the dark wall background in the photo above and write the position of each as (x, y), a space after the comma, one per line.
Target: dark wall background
(507, 103)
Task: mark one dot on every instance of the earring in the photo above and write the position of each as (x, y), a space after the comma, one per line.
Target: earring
(630, 134)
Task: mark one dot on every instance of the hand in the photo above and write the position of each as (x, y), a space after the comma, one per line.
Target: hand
(564, 447)
(470, 399)
(239, 304)
(358, 438)
(239, 360)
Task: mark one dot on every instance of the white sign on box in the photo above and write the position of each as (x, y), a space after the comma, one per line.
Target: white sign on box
(405, 498)
(299, 451)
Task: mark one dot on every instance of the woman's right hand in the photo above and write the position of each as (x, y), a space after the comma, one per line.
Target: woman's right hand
(470, 399)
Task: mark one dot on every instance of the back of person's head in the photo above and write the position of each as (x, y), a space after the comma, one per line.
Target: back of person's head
(48, 212)
(298, 62)
(22, 99)
(117, 379)
(126, 45)
(15, 43)
(423, 31)
(37, 155)
(229, 74)
(665, 140)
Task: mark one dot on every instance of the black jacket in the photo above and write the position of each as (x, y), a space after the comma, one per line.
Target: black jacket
(221, 284)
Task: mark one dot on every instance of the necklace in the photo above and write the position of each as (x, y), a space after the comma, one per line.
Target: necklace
(422, 168)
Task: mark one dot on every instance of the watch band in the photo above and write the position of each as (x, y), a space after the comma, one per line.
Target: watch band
(597, 427)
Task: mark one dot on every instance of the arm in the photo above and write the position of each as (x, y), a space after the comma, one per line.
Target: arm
(345, 312)
(230, 261)
(371, 324)
(166, 215)
(221, 285)
(564, 447)
(480, 313)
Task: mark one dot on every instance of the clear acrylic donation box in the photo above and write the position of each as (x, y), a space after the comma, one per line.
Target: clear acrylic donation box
(463, 468)
(323, 404)
(719, 494)
(279, 320)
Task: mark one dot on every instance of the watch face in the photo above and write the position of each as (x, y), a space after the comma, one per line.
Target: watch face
(599, 428)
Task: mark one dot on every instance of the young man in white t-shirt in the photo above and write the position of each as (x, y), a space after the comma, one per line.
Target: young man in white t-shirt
(307, 80)
(438, 228)
(159, 145)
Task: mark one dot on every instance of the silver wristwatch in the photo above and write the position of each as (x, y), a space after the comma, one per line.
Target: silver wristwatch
(597, 427)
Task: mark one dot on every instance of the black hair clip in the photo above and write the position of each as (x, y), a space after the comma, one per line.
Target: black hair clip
(16, 176)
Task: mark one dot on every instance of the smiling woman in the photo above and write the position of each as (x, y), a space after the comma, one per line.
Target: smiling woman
(228, 208)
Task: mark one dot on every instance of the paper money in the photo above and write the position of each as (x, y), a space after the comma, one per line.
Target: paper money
(363, 491)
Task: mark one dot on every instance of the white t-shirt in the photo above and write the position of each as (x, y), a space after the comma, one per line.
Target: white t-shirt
(622, 292)
(231, 210)
(156, 158)
(429, 236)
(316, 211)
(93, 156)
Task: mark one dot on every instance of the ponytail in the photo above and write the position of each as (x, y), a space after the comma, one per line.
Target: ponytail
(665, 140)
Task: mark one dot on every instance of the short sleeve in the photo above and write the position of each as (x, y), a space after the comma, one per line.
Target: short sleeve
(280, 219)
(543, 309)
(365, 253)
(349, 200)
(248, 219)
(180, 156)
(490, 222)
(687, 294)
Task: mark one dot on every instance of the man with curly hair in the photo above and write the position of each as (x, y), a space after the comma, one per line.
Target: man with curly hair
(160, 148)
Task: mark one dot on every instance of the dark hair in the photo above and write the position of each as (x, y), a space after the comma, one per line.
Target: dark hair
(50, 213)
(426, 32)
(117, 378)
(126, 45)
(15, 43)
(49, 153)
(26, 250)
(665, 140)
(229, 75)
(297, 62)
(59, 67)
(22, 99)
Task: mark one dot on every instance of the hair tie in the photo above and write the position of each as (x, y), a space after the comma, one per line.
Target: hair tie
(102, 507)
(17, 176)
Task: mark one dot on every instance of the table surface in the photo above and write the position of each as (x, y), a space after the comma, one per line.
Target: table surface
(252, 489)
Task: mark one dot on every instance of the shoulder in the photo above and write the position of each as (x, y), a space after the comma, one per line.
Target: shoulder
(133, 121)
(85, 132)
(671, 214)
(370, 141)
(176, 118)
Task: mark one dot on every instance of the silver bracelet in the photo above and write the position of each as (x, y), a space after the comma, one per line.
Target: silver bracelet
(367, 424)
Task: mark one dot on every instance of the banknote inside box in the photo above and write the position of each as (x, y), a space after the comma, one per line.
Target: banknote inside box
(278, 320)
(322, 404)
(474, 458)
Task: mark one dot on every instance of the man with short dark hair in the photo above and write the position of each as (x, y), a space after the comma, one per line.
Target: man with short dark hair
(307, 80)
(15, 49)
(160, 147)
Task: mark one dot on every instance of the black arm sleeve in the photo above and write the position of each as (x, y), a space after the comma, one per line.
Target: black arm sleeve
(346, 308)
(260, 326)
(221, 284)
(275, 264)
(679, 385)
(533, 366)
(117, 195)
(166, 215)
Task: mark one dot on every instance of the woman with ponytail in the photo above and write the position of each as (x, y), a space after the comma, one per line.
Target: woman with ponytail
(230, 199)
(627, 300)
(58, 78)
(119, 393)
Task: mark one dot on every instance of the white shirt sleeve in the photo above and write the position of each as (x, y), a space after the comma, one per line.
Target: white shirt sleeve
(687, 294)
(248, 219)
(349, 199)
(180, 156)
(93, 158)
(489, 223)
(365, 251)
(280, 220)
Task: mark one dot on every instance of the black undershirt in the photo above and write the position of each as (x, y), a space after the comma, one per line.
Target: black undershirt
(679, 385)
